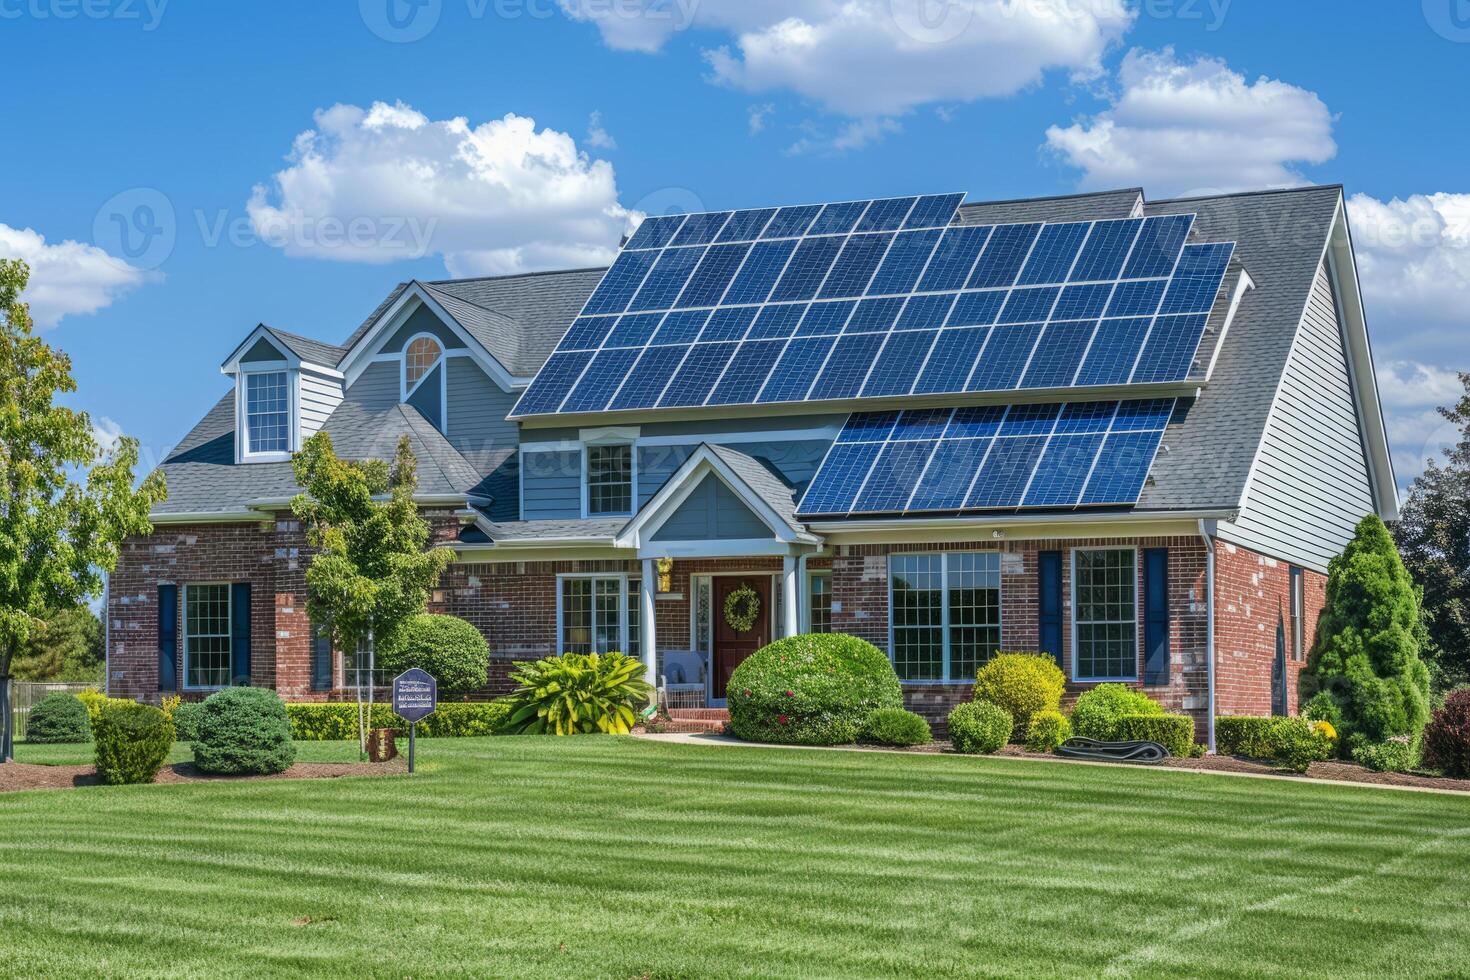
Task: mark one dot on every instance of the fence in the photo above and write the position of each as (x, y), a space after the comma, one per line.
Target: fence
(24, 694)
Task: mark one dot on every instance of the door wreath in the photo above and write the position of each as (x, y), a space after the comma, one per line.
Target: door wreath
(741, 608)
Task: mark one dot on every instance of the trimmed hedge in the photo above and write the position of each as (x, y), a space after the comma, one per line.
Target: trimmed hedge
(96, 701)
(1047, 730)
(1447, 738)
(337, 721)
(979, 726)
(1396, 754)
(1023, 684)
(812, 689)
(1098, 711)
(1295, 743)
(186, 720)
(59, 718)
(1173, 732)
(132, 741)
(895, 726)
(243, 731)
(449, 648)
(1243, 735)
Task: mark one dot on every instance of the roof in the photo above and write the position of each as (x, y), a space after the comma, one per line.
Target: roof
(1068, 207)
(764, 482)
(311, 351)
(553, 530)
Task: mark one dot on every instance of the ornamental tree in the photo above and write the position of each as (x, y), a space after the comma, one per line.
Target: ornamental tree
(1364, 674)
(67, 503)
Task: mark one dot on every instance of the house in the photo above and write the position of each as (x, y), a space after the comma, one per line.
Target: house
(1130, 433)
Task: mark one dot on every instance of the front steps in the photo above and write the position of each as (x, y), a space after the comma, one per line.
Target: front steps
(694, 720)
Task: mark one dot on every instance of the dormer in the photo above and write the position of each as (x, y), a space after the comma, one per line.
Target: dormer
(286, 386)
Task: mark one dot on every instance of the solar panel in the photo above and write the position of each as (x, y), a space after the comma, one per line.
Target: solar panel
(989, 457)
(916, 306)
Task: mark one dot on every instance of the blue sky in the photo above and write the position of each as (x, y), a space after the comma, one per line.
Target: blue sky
(158, 180)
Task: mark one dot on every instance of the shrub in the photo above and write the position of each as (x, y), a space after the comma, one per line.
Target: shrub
(186, 721)
(1023, 684)
(243, 730)
(579, 693)
(1173, 732)
(895, 726)
(337, 721)
(1295, 743)
(1366, 655)
(1447, 739)
(96, 701)
(813, 689)
(59, 718)
(1047, 730)
(1243, 735)
(1098, 710)
(1397, 754)
(132, 742)
(979, 727)
(449, 648)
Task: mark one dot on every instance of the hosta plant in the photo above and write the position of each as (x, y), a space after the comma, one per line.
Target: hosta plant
(579, 693)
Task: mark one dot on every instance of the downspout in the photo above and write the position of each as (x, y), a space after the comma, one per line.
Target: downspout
(1209, 633)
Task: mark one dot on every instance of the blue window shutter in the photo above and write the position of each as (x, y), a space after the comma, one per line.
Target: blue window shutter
(240, 633)
(1049, 604)
(1156, 615)
(168, 637)
(321, 660)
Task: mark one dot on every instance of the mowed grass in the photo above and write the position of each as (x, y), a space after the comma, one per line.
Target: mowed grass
(623, 858)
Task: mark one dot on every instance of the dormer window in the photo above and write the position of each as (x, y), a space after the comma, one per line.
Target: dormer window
(268, 412)
(419, 359)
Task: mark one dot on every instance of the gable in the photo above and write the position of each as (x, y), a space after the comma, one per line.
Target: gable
(712, 512)
(263, 350)
(422, 320)
(428, 397)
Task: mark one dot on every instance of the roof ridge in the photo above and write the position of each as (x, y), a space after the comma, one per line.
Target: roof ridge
(1302, 189)
(518, 275)
(1054, 197)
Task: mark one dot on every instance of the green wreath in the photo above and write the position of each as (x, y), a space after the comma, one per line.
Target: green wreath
(741, 608)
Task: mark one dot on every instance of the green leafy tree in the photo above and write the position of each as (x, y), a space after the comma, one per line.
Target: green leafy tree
(373, 568)
(67, 503)
(1364, 674)
(1433, 536)
(69, 649)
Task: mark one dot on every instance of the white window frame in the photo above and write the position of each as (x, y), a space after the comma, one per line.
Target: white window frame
(944, 609)
(806, 607)
(405, 389)
(184, 632)
(632, 477)
(1137, 610)
(622, 579)
(1296, 584)
(293, 411)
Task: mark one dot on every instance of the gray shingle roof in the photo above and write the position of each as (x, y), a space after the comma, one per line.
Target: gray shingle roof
(550, 530)
(543, 304)
(763, 482)
(312, 351)
(1069, 207)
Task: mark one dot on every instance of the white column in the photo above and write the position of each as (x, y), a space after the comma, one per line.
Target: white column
(789, 592)
(647, 640)
(803, 598)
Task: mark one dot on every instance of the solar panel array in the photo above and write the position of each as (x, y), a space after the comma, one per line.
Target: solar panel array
(989, 457)
(879, 299)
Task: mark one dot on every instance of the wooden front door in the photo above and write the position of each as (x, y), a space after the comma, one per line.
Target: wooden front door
(732, 647)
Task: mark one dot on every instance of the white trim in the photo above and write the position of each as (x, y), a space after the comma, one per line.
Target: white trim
(622, 580)
(1137, 599)
(557, 446)
(404, 391)
(826, 432)
(632, 480)
(808, 576)
(243, 454)
(183, 681)
(734, 548)
(944, 621)
(609, 435)
(1243, 284)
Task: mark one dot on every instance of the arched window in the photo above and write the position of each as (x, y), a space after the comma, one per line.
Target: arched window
(420, 359)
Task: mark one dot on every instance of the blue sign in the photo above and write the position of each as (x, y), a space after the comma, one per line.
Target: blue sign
(415, 694)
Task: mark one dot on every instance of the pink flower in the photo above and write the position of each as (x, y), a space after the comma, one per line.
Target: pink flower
(781, 719)
(791, 694)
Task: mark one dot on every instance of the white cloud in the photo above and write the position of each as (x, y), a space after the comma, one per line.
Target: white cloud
(69, 277)
(1411, 393)
(852, 135)
(106, 432)
(1414, 261)
(1179, 127)
(869, 58)
(597, 135)
(757, 115)
(389, 183)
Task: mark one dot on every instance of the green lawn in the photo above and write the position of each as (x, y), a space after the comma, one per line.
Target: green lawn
(621, 858)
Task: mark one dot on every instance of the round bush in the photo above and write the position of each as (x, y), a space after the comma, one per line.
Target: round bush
(447, 647)
(1447, 739)
(1023, 684)
(243, 730)
(979, 726)
(814, 689)
(186, 721)
(895, 726)
(59, 718)
(1099, 710)
(1047, 730)
(132, 742)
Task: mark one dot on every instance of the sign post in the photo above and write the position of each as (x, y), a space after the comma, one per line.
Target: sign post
(415, 696)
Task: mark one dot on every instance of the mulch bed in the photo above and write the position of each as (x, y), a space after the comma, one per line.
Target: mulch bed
(21, 775)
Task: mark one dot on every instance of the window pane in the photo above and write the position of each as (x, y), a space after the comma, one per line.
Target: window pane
(918, 616)
(635, 611)
(609, 479)
(702, 615)
(207, 632)
(576, 615)
(608, 605)
(974, 612)
(1106, 614)
(821, 602)
(267, 412)
(421, 355)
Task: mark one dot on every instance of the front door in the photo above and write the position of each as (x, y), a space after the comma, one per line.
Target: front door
(732, 646)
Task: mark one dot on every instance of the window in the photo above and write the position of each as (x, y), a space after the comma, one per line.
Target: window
(610, 479)
(1298, 614)
(819, 590)
(268, 412)
(594, 612)
(945, 612)
(1105, 614)
(420, 357)
(206, 635)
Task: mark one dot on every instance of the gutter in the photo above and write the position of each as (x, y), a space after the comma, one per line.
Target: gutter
(1001, 522)
(1205, 534)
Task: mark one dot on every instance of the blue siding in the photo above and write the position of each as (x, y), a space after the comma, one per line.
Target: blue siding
(551, 485)
(795, 460)
(712, 513)
(478, 409)
(422, 320)
(428, 397)
(377, 388)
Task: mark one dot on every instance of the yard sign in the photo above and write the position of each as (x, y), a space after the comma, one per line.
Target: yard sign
(415, 696)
